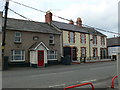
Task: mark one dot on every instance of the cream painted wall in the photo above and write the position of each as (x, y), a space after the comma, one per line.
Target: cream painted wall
(89, 44)
(98, 46)
(77, 43)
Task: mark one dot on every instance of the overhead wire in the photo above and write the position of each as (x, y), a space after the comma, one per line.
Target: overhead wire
(26, 18)
(20, 15)
(64, 18)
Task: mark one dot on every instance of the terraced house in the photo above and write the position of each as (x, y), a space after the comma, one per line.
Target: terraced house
(32, 43)
(78, 41)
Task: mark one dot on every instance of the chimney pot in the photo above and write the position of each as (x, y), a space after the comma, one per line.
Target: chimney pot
(48, 17)
(71, 22)
(79, 22)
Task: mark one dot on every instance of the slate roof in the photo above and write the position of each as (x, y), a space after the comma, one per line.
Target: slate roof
(24, 25)
(113, 41)
(75, 28)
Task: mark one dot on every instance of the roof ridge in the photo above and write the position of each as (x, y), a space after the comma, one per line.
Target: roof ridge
(25, 20)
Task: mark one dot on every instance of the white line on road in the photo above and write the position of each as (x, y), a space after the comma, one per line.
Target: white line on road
(57, 85)
(88, 81)
(66, 84)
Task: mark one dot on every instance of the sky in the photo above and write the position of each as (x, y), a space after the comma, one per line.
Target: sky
(102, 14)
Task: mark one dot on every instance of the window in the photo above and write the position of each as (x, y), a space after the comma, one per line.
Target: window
(83, 52)
(94, 52)
(18, 55)
(95, 39)
(102, 40)
(52, 55)
(83, 38)
(51, 39)
(17, 37)
(35, 38)
(72, 37)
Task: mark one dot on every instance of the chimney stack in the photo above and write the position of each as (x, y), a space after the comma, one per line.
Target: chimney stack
(79, 22)
(71, 22)
(48, 17)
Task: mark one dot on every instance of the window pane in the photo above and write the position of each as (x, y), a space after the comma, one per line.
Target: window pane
(17, 58)
(51, 52)
(17, 39)
(51, 41)
(17, 55)
(52, 55)
(71, 37)
(17, 52)
(18, 34)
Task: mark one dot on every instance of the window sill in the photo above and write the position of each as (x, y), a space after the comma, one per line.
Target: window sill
(52, 59)
(17, 60)
(51, 44)
(17, 42)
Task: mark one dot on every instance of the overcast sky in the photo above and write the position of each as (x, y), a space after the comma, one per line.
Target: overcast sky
(97, 13)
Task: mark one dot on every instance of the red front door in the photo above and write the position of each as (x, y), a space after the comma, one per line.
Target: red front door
(41, 58)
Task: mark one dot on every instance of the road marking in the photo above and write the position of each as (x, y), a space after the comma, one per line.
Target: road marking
(88, 81)
(93, 80)
(66, 84)
(50, 86)
(85, 81)
(56, 85)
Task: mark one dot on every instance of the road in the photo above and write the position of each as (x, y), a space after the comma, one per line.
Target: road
(58, 76)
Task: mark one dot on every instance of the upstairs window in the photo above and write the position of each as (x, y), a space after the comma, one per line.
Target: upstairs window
(51, 39)
(17, 37)
(102, 40)
(83, 38)
(94, 39)
(72, 37)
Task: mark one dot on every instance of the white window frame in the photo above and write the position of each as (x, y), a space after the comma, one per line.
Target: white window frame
(83, 38)
(83, 51)
(72, 37)
(22, 54)
(17, 37)
(53, 41)
(54, 55)
(95, 40)
(103, 40)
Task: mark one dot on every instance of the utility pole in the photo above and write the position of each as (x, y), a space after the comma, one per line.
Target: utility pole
(4, 32)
